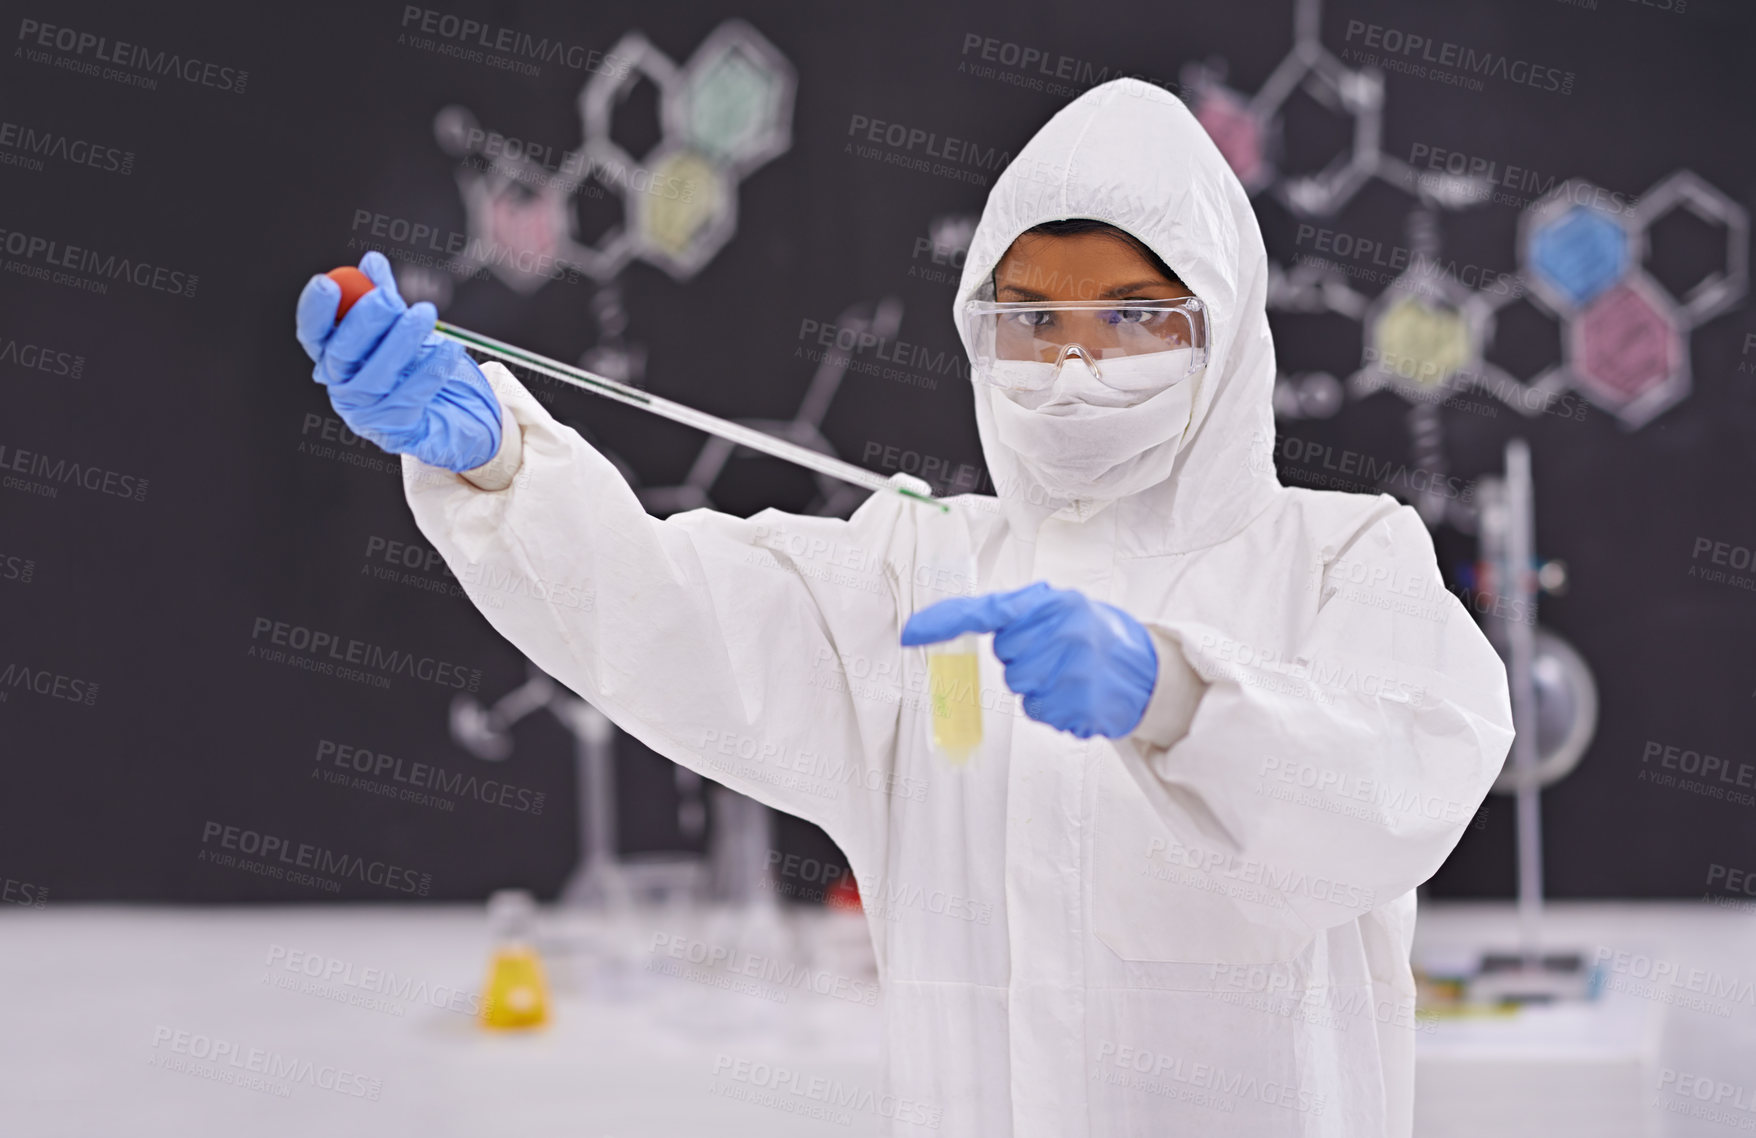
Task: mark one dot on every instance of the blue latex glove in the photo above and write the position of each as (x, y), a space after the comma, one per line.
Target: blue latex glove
(392, 379)
(1081, 666)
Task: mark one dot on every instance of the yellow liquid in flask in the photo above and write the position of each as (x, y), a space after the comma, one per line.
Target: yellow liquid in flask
(953, 681)
(516, 995)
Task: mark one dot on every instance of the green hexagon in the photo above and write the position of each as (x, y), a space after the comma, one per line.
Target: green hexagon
(731, 105)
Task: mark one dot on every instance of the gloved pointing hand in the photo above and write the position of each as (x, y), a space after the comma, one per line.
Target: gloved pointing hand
(1081, 666)
(392, 379)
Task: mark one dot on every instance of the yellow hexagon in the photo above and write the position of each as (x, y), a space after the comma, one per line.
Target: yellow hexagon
(686, 196)
(1421, 342)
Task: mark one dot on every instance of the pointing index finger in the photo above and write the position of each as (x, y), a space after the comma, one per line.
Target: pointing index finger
(950, 619)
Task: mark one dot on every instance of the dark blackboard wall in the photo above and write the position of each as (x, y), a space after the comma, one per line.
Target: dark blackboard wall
(203, 505)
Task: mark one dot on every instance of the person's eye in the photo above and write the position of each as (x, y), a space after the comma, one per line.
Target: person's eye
(1032, 320)
(1145, 317)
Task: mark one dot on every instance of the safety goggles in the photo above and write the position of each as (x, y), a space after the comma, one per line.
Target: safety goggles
(1022, 346)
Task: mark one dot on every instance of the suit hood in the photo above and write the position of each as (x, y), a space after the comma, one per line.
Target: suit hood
(1132, 155)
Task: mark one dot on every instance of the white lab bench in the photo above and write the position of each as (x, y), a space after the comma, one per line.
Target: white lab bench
(108, 1005)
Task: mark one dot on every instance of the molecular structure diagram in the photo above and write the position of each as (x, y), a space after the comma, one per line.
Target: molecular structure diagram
(724, 113)
(1582, 259)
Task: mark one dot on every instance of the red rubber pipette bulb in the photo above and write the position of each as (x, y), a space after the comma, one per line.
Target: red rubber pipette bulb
(354, 284)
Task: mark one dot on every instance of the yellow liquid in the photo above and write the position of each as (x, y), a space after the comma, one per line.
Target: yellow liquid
(515, 995)
(953, 680)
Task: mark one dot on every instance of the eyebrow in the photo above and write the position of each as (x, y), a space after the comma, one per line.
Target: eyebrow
(1119, 290)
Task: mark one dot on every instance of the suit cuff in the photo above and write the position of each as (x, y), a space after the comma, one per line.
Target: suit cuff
(1175, 694)
(498, 472)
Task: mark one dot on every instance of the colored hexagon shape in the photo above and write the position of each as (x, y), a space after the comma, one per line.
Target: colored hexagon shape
(736, 103)
(1579, 254)
(683, 215)
(522, 229)
(1625, 350)
(1422, 340)
(1237, 131)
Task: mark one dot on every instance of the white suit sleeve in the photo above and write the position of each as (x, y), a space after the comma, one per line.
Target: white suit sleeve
(719, 642)
(1356, 754)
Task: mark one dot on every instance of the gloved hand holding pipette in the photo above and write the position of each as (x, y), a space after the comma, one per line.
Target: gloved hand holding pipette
(401, 378)
(392, 379)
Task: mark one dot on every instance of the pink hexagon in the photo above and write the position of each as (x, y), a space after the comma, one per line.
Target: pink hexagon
(527, 222)
(1236, 130)
(1623, 346)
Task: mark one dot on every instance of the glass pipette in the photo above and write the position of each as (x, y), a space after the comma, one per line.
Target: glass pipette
(355, 284)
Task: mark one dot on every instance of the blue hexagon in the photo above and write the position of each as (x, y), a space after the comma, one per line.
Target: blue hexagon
(1580, 254)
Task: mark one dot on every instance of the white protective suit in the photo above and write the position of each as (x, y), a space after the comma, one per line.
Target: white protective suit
(1202, 929)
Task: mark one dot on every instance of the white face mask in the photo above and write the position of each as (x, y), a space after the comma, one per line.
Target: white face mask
(1082, 439)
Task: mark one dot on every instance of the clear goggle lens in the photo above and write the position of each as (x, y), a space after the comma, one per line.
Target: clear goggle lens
(1006, 334)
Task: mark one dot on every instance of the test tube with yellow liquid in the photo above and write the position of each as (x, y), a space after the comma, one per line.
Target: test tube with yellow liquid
(946, 568)
(954, 684)
(516, 995)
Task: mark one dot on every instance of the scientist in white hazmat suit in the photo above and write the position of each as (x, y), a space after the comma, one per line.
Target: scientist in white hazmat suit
(1178, 876)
